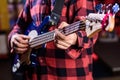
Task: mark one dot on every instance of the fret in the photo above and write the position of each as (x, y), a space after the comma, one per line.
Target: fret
(43, 38)
(49, 36)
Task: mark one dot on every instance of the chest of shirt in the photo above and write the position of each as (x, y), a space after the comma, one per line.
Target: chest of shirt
(41, 8)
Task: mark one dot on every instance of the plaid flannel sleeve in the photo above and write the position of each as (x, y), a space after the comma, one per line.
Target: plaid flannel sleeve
(83, 41)
(21, 23)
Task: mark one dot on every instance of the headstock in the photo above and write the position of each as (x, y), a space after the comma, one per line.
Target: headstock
(115, 8)
(104, 19)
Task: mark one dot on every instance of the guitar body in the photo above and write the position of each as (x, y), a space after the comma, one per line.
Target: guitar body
(29, 57)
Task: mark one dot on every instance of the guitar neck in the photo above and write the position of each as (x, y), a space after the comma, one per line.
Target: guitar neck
(50, 36)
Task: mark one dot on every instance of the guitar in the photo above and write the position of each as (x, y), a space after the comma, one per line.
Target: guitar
(94, 23)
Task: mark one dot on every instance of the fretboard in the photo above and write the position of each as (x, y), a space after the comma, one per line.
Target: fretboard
(50, 36)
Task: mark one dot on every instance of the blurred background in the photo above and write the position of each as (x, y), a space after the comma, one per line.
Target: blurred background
(106, 56)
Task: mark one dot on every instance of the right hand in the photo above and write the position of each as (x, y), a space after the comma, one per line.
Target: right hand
(19, 43)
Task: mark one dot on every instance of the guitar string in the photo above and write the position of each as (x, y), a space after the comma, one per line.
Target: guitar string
(44, 40)
(38, 42)
(49, 36)
(48, 32)
(44, 35)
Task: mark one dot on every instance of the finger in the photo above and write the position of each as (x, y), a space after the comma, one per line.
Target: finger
(61, 46)
(62, 25)
(21, 40)
(63, 43)
(20, 50)
(82, 18)
(59, 35)
(18, 44)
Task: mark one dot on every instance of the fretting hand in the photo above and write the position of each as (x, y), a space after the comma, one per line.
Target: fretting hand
(62, 41)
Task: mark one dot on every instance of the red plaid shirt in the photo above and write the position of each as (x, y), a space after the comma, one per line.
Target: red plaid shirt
(74, 63)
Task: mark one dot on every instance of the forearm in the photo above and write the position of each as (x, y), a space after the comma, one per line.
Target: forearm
(22, 22)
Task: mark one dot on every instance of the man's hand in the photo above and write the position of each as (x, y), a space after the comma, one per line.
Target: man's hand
(19, 43)
(62, 41)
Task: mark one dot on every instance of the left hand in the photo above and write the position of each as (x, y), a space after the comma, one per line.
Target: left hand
(62, 41)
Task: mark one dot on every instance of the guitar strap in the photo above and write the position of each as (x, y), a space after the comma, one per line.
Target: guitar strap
(56, 12)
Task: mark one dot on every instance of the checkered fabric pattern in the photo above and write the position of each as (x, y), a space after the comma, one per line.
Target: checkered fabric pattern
(74, 63)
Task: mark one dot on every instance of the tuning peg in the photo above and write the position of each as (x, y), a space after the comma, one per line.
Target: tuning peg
(115, 8)
(99, 8)
(103, 8)
(108, 8)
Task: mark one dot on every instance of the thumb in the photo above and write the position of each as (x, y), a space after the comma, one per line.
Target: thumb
(59, 35)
